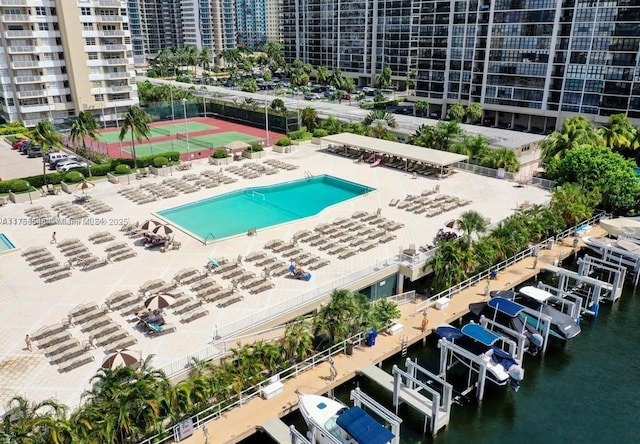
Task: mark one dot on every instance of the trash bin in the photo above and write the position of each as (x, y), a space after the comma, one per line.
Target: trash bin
(349, 348)
(371, 337)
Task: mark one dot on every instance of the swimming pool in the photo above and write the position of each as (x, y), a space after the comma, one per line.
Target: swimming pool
(5, 244)
(237, 212)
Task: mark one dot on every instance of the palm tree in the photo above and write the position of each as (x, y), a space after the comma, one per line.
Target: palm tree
(332, 125)
(342, 317)
(337, 79)
(424, 136)
(384, 311)
(83, 127)
(575, 131)
(380, 116)
(573, 203)
(297, 343)
(322, 74)
(411, 80)
(450, 263)
(474, 147)
(205, 57)
(619, 133)
(309, 117)
(501, 158)
(273, 51)
(471, 222)
(137, 121)
(48, 138)
(379, 131)
(445, 134)
(383, 80)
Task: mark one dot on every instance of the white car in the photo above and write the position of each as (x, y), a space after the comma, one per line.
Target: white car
(68, 166)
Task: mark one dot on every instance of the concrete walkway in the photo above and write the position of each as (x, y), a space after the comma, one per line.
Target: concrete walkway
(243, 421)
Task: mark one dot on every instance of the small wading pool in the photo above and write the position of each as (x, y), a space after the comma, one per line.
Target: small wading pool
(5, 244)
(260, 207)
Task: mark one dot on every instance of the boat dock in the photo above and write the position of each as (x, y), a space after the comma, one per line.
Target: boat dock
(277, 430)
(243, 421)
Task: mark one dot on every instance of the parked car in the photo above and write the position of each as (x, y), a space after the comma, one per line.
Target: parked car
(34, 150)
(70, 166)
(16, 145)
(56, 160)
(25, 147)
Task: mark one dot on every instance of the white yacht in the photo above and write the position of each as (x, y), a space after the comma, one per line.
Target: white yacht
(331, 422)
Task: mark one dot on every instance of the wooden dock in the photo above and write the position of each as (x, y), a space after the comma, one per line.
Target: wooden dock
(277, 430)
(245, 420)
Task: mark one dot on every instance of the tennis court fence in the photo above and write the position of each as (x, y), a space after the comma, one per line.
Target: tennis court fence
(193, 141)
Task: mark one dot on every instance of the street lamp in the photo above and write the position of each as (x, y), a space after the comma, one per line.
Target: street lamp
(173, 114)
(266, 117)
(186, 127)
(115, 111)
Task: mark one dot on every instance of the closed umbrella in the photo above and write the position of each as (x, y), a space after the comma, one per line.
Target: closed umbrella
(159, 301)
(163, 230)
(149, 224)
(451, 223)
(120, 358)
(84, 185)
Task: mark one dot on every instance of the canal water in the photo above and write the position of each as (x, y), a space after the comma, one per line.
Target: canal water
(588, 391)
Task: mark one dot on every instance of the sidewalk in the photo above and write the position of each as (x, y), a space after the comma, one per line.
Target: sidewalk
(243, 421)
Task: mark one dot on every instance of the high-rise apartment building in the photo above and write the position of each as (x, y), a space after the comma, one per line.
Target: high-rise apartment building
(273, 19)
(162, 24)
(251, 23)
(529, 63)
(58, 58)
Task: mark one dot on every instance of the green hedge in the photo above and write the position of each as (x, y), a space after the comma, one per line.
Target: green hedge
(319, 132)
(283, 141)
(160, 161)
(255, 147)
(220, 154)
(101, 170)
(299, 134)
(122, 169)
(73, 177)
(146, 161)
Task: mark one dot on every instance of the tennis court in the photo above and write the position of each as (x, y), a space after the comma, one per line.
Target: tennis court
(159, 131)
(208, 141)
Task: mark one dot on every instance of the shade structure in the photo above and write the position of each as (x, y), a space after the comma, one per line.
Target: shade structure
(84, 185)
(159, 301)
(120, 358)
(149, 224)
(163, 230)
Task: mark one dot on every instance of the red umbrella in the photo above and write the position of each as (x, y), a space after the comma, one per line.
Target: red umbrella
(120, 358)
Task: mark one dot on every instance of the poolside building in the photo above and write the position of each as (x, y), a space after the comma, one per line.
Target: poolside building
(60, 58)
(529, 64)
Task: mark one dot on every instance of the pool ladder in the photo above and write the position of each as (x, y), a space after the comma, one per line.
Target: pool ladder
(308, 174)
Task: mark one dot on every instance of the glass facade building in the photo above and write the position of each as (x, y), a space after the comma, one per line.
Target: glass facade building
(530, 63)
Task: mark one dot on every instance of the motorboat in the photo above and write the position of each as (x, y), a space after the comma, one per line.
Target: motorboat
(511, 315)
(629, 246)
(331, 422)
(563, 326)
(502, 368)
(621, 226)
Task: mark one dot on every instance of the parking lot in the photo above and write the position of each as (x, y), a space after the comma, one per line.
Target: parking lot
(14, 165)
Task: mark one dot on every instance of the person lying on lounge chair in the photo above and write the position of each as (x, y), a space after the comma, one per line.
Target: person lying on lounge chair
(298, 271)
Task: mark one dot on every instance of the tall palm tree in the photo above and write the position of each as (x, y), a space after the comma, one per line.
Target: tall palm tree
(474, 112)
(422, 106)
(205, 57)
(322, 74)
(451, 263)
(273, 51)
(83, 127)
(471, 222)
(332, 125)
(309, 117)
(380, 116)
(446, 134)
(383, 80)
(619, 133)
(474, 147)
(424, 136)
(575, 131)
(136, 121)
(297, 343)
(501, 158)
(456, 112)
(48, 138)
(337, 79)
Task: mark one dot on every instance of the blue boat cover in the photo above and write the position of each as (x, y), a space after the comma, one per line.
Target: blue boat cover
(506, 306)
(478, 333)
(503, 358)
(448, 332)
(363, 428)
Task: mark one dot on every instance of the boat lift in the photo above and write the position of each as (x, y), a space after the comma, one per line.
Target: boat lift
(359, 398)
(474, 363)
(543, 327)
(624, 257)
(613, 274)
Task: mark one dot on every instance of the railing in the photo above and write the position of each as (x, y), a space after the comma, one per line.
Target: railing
(217, 410)
(208, 237)
(483, 171)
(403, 298)
(486, 274)
(230, 330)
(543, 183)
(184, 364)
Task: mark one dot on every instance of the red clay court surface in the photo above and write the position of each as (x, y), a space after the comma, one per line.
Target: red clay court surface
(221, 126)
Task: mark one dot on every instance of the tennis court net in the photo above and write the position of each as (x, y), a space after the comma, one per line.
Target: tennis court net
(193, 141)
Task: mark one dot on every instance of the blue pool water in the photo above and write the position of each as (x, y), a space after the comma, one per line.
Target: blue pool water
(637, 171)
(5, 243)
(236, 212)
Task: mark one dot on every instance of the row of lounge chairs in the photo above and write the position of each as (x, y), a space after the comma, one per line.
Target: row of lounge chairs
(280, 164)
(181, 185)
(137, 195)
(218, 176)
(431, 205)
(39, 215)
(252, 170)
(69, 210)
(45, 263)
(159, 190)
(119, 251)
(95, 206)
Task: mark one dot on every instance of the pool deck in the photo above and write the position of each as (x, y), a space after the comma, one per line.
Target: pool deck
(28, 303)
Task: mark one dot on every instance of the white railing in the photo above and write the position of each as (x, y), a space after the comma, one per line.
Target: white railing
(486, 274)
(483, 171)
(18, 34)
(403, 298)
(13, 2)
(308, 298)
(543, 183)
(28, 79)
(21, 49)
(184, 364)
(217, 410)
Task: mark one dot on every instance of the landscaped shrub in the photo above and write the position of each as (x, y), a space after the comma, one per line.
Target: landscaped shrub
(122, 169)
(73, 177)
(160, 161)
(319, 132)
(255, 147)
(299, 134)
(283, 141)
(220, 154)
(20, 186)
(101, 170)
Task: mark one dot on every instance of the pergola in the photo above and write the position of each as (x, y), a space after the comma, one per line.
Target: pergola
(399, 150)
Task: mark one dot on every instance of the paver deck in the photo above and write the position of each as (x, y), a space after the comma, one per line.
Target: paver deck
(243, 421)
(27, 303)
